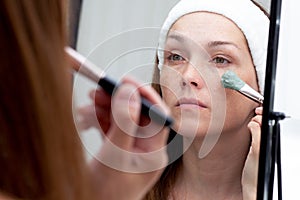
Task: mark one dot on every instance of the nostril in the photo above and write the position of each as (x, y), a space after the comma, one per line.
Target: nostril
(194, 83)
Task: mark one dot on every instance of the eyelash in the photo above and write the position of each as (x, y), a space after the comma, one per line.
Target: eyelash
(218, 64)
(171, 58)
(176, 59)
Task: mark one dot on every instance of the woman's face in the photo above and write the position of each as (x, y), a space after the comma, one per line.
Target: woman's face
(200, 48)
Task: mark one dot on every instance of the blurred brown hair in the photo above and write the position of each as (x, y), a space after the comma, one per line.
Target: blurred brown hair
(40, 152)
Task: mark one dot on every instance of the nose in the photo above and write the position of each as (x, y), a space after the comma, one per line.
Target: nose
(192, 77)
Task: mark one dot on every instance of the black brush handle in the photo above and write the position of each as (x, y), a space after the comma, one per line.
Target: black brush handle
(147, 109)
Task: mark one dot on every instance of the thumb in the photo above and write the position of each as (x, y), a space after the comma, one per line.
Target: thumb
(126, 106)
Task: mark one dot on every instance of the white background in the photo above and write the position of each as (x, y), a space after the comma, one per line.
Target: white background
(103, 21)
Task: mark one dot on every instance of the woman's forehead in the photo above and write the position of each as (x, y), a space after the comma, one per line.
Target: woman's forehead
(205, 27)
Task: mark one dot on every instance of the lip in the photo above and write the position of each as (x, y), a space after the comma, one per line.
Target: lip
(190, 102)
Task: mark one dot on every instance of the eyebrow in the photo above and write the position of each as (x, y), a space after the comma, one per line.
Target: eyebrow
(177, 37)
(210, 44)
(213, 44)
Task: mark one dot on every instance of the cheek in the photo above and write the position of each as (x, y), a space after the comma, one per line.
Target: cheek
(167, 95)
(166, 91)
(239, 110)
(248, 75)
(170, 85)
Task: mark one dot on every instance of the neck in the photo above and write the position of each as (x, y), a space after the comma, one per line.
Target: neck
(217, 175)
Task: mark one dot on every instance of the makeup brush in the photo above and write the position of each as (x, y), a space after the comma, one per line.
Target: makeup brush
(83, 66)
(232, 81)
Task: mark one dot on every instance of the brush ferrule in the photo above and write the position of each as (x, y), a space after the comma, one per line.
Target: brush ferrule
(83, 66)
(251, 93)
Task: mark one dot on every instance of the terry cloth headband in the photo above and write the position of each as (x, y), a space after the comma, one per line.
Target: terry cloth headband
(244, 13)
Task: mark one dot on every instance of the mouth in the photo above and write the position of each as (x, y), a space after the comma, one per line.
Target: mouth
(190, 102)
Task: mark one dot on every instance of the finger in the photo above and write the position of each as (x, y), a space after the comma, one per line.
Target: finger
(257, 119)
(149, 93)
(259, 110)
(125, 115)
(100, 97)
(86, 117)
(157, 134)
(255, 130)
(103, 116)
(154, 142)
(92, 94)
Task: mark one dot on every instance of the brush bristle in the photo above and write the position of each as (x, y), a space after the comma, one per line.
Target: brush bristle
(232, 81)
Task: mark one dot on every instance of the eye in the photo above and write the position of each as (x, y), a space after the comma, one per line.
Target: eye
(220, 61)
(175, 57)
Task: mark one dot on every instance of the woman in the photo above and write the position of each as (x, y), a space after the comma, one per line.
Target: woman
(200, 41)
(40, 152)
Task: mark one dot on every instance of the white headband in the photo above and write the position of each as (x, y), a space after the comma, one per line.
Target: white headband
(244, 13)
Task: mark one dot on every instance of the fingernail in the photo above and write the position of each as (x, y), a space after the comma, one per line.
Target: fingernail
(259, 109)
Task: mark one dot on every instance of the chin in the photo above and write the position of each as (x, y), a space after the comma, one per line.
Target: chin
(197, 124)
(189, 127)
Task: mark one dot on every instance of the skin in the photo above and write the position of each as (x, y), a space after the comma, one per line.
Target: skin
(227, 171)
(121, 171)
(221, 47)
(110, 183)
(249, 182)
